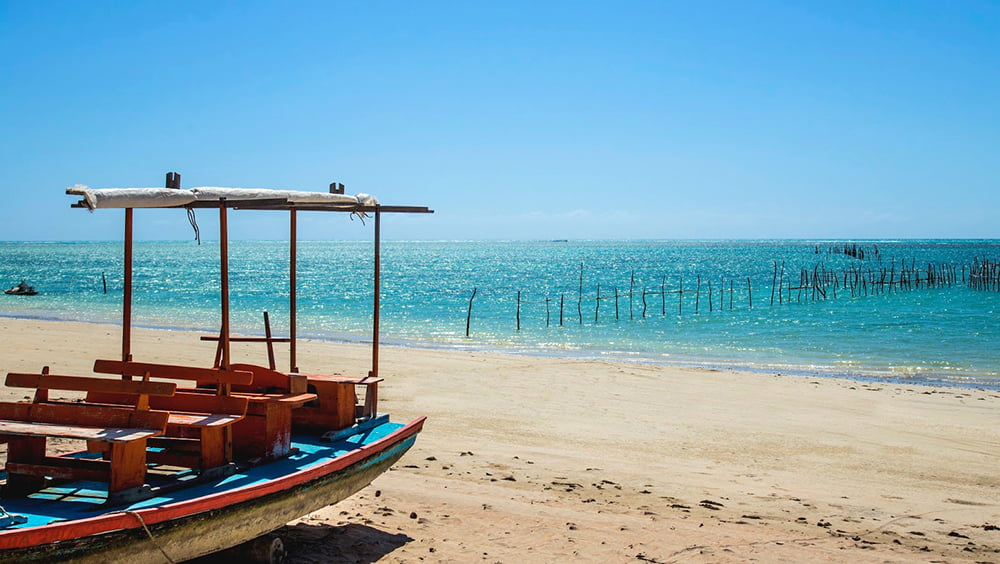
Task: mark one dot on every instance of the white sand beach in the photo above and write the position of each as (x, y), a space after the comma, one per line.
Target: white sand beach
(530, 459)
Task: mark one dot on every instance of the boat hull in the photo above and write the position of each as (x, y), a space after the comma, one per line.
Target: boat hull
(234, 518)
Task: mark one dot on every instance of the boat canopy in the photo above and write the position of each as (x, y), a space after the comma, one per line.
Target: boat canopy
(204, 196)
(173, 196)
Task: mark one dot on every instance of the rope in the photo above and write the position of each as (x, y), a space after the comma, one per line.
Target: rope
(194, 224)
(150, 534)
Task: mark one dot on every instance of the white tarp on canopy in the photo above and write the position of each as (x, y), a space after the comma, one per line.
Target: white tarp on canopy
(172, 197)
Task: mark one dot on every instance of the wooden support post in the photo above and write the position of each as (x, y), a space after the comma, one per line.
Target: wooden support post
(292, 290)
(127, 465)
(562, 301)
(127, 293)
(28, 450)
(224, 361)
(270, 343)
(749, 293)
(377, 290)
(616, 303)
(579, 300)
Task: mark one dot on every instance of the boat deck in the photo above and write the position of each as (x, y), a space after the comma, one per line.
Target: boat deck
(76, 500)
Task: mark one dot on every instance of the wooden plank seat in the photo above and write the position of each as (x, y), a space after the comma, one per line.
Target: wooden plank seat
(198, 431)
(336, 406)
(26, 426)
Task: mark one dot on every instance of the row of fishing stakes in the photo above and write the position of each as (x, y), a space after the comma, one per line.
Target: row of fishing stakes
(820, 283)
(985, 275)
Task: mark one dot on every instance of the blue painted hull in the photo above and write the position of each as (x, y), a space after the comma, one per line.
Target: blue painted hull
(186, 523)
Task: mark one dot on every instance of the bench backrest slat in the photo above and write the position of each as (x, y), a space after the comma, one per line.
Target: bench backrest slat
(266, 380)
(89, 384)
(84, 415)
(209, 375)
(181, 401)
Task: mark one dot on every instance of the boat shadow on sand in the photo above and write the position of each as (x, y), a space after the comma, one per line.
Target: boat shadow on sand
(309, 542)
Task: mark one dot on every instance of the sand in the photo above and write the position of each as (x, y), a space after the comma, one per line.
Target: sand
(527, 459)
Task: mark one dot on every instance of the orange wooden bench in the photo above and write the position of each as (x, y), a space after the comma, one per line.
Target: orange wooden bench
(336, 406)
(26, 426)
(196, 434)
(265, 432)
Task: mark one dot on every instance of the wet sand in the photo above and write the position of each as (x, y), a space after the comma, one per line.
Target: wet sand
(528, 459)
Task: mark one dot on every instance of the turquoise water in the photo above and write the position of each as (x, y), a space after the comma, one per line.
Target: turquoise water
(947, 334)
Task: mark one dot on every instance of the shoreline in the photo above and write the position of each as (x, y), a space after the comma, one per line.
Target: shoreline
(548, 459)
(986, 381)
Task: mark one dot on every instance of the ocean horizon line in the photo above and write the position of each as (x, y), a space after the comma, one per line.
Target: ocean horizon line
(537, 240)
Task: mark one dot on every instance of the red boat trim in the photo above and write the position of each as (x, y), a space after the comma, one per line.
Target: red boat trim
(132, 519)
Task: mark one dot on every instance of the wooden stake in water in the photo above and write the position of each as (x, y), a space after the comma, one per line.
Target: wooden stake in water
(519, 310)
(616, 303)
(680, 297)
(697, 295)
(631, 290)
(774, 281)
(468, 316)
(597, 308)
(663, 296)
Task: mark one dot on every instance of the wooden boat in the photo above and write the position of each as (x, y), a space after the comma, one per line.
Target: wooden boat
(169, 472)
(22, 289)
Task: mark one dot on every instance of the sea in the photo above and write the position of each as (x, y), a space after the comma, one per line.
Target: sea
(808, 308)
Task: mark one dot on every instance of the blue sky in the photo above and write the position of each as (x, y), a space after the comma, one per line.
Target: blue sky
(514, 120)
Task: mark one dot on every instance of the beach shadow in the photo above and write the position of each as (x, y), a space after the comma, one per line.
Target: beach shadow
(304, 542)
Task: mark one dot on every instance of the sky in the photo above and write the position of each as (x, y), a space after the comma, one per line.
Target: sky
(512, 120)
